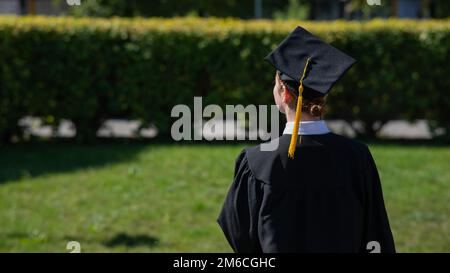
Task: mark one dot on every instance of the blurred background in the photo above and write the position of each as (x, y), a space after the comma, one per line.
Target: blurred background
(87, 88)
(247, 9)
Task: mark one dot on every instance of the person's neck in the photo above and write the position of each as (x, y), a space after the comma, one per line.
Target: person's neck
(290, 117)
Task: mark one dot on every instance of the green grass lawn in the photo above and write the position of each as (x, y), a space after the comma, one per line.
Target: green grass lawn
(165, 198)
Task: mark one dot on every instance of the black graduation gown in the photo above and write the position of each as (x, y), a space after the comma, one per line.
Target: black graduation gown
(327, 199)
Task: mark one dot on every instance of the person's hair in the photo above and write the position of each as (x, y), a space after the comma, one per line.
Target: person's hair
(316, 107)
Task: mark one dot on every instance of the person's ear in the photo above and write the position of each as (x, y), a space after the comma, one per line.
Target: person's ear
(287, 97)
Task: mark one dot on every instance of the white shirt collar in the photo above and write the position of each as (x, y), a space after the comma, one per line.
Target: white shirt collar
(313, 127)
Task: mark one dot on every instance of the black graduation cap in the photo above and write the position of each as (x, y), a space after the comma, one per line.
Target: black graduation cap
(306, 61)
(326, 66)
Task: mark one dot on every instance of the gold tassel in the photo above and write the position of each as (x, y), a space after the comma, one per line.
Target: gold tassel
(298, 114)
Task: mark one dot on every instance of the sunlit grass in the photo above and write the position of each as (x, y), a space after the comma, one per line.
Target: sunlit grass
(165, 198)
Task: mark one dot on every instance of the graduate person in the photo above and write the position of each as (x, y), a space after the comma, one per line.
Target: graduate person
(319, 191)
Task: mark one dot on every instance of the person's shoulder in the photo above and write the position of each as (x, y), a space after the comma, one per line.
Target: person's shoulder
(266, 150)
(346, 142)
(350, 147)
(241, 158)
(264, 158)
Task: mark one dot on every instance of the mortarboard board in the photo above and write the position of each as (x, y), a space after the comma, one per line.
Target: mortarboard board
(309, 64)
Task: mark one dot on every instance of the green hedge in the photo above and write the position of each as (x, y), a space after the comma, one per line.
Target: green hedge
(88, 70)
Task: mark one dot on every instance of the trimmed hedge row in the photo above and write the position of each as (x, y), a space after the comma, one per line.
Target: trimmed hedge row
(88, 70)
